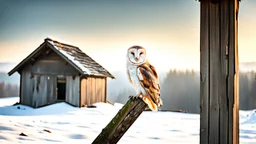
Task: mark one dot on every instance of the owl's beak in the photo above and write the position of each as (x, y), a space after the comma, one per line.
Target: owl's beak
(136, 58)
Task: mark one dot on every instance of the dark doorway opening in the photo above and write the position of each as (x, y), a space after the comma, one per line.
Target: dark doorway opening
(61, 89)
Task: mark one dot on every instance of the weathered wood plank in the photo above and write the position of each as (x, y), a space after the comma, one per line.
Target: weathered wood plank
(204, 71)
(97, 89)
(214, 74)
(76, 93)
(82, 94)
(88, 89)
(222, 117)
(92, 90)
(34, 90)
(234, 71)
(116, 128)
(43, 85)
(102, 87)
(27, 87)
(236, 79)
(40, 91)
(72, 90)
(21, 88)
(223, 97)
(105, 90)
(52, 64)
(86, 92)
(93, 96)
(102, 92)
(52, 86)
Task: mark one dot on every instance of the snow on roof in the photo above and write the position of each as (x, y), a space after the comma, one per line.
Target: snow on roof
(79, 58)
(71, 57)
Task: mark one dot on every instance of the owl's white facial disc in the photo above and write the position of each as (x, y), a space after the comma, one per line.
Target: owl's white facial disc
(136, 55)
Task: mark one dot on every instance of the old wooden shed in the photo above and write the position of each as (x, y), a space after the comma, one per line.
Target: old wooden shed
(60, 72)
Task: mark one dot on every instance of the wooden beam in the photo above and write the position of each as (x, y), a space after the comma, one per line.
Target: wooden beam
(214, 74)
(204, 71)
(21, 91)
(116, 128)
(224, 54)
(219, 109)
(234, 29)
(105, 99)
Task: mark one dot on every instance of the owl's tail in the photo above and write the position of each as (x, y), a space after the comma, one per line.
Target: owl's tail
(150, 103)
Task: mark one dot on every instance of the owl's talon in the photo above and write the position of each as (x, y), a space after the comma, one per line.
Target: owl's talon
(134, 97)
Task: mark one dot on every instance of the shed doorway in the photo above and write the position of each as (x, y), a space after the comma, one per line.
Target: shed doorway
(61, 89)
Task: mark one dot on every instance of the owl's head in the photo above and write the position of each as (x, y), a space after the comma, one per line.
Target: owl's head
(136, 55)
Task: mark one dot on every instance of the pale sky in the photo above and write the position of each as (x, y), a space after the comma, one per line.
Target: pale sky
(168, 29)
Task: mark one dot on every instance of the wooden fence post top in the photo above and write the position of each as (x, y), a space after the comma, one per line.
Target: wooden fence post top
(126, 116)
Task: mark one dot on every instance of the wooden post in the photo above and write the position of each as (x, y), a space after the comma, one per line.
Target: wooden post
(116, 128)
(219, 109)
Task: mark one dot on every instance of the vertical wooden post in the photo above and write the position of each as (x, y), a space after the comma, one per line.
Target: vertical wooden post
(236, 76)
(219, 109)
(20, 92)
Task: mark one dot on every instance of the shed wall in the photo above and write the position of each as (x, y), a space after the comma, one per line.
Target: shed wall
(73, 90)
(52, 64)
(44, 90)
(93, 89)
(26, 88)
(37, 90)
(39, 80)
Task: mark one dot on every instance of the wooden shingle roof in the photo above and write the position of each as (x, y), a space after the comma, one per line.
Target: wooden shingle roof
(73, 55)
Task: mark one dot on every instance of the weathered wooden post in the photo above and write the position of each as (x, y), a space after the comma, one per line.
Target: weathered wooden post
(116, 128)
(219, 116)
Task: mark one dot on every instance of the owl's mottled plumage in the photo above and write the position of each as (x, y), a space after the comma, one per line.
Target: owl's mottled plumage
(143, 76)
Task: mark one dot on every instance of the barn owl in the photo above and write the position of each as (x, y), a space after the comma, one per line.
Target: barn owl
(142, 75)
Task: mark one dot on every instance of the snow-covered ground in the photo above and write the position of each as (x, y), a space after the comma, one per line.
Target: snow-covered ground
(62, 123)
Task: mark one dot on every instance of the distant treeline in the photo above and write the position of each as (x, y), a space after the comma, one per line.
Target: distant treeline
(8, 90)
(180, 90)
(247, 90)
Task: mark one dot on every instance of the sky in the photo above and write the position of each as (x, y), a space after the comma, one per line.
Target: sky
(168, 29)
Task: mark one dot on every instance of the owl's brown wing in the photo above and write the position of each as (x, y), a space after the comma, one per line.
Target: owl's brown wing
(153, 70)
(149, 80)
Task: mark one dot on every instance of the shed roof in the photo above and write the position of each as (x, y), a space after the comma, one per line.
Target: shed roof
(73, 55)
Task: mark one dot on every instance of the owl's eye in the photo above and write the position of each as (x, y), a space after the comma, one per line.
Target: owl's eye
(132, 53)
(141, 53)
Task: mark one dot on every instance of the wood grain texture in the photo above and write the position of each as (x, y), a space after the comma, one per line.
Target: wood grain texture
(52, 64)
(234, 21)
(82, 94)
(104, 92)
(122, 121)
(72, 90)
(219, 121)
(92, 90)
(39, 78)
(224, 53)
(214, 74)
(204, 71)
